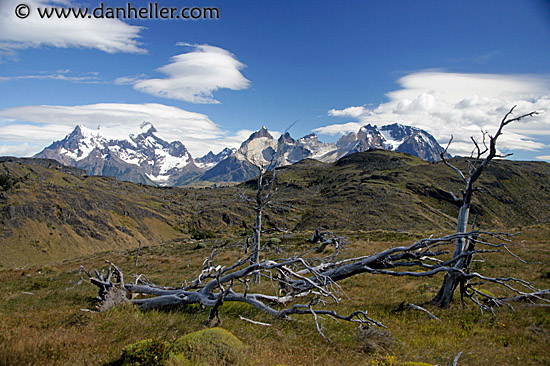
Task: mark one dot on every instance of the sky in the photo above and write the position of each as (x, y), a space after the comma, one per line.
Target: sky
(452, 68)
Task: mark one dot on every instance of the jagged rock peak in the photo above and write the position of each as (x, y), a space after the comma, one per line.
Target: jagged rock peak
(263, 132)
(369, 127)
(346, 139)
(77, 130)
(286, 139)
(147, 126)
(398, 131)
(145, 158)
(311, 136)
(209, 160)
(146, 129)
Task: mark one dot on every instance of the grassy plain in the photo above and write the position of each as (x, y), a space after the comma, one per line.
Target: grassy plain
(42, 321)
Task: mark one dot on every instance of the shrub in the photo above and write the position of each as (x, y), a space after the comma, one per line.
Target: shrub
(6, 182)
(149, 352)
(374, 340)
(274, 241)
(214, 346)
(199, 233)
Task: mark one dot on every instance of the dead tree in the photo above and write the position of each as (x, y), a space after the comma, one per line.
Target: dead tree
(265, 182)
(310, 283)
(480, 158)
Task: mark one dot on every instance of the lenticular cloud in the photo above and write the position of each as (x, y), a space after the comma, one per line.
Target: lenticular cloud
(108, 35)
(462, 105)
(194, 76)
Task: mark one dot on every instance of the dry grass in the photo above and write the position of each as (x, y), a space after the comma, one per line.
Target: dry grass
(42, 324)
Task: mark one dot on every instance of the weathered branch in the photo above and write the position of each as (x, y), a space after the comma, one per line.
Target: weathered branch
(301, 280)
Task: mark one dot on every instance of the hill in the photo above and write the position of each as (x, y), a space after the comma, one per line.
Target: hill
(50, 213)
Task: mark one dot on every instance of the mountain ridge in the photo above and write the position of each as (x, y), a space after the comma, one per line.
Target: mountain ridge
(147, 158)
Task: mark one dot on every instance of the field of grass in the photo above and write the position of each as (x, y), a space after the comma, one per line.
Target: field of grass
(42, 321)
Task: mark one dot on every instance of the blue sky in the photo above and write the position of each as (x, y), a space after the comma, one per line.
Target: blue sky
(449, 67)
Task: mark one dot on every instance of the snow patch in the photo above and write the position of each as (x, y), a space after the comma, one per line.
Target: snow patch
(168, 162)
(390, 143)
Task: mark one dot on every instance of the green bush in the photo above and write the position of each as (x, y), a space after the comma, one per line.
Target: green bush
(274, 242)
(214, 346)
(199, 233)
(6, 182)
(177, 360)
(149, 352)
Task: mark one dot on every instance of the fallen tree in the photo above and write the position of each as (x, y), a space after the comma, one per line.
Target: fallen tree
(304, 285)
(314, 280)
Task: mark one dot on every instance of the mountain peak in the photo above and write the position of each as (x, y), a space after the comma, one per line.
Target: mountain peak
(311, 136)
(369, 128)
(210, 160)
(286, 139)
(398, 131)
(147, 127)
(345, 140)
(80, 131)
(263, 132)
(145, 158)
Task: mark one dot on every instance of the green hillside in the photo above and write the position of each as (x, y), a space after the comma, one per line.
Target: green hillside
(52, 214)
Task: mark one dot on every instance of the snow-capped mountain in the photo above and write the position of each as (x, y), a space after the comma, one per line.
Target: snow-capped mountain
(147, 158)
(210, 160)
(258, 150)
(143, 158)
(395, 137)
(292, 151)
(260, 147)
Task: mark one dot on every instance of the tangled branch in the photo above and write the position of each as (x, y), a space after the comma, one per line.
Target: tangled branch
(298, 278)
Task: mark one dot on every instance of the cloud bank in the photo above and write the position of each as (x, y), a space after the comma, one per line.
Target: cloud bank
(195, 75)
(26, 130)
(108, 35)
(461, 105)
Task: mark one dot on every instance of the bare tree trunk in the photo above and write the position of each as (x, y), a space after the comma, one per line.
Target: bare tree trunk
(264, 194)
(480, 158)
(137, 253)
(256, 244)
(452, 279)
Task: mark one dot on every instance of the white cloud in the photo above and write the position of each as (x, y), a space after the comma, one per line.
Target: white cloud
(339, 129)
(348, 112)
(544, 157)
(461, 105)
(15, 149)
(62, 75)
(39, 126)
(195, 75)
(108, 35)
